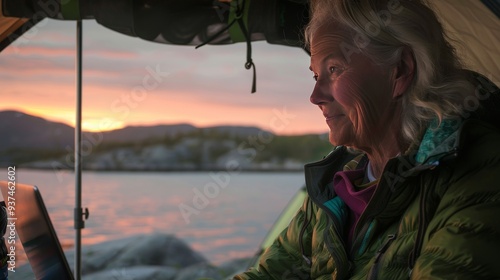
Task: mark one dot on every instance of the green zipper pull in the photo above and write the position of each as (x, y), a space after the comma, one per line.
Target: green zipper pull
(376, 264)
(307, 260)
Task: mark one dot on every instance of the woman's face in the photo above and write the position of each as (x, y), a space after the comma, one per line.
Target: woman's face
(354, 94)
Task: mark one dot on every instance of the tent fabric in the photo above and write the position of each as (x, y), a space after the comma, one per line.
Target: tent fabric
(10, 29)
(477, 31)
(9, 26)
(473, 23)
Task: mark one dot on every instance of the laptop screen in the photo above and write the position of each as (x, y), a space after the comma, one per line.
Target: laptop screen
(35, 231)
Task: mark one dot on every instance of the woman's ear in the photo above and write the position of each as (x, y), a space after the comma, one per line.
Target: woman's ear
(404, 73)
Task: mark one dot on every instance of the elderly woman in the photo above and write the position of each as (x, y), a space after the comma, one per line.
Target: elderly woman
(412, 189)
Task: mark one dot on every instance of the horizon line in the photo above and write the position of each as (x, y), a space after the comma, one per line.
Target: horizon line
(48, 119)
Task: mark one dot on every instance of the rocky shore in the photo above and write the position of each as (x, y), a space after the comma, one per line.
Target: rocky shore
(152, 257)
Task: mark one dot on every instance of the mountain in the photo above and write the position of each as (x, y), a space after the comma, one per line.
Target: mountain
(21, 130)
(141, 133)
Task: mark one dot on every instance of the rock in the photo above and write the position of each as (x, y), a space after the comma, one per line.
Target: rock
(96, 257)
(200, 271)
(134, 273)
(157, 256)
(144, 250)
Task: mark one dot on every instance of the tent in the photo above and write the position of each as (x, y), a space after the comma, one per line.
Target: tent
(192, 22)
(196, 22)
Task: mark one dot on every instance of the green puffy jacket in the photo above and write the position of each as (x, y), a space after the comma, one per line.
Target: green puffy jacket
(435, 213)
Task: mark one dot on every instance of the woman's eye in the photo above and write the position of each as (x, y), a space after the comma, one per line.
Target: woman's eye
(334, 69)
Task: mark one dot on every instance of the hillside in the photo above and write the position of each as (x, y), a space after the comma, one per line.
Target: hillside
(37, 143)
(20, 130)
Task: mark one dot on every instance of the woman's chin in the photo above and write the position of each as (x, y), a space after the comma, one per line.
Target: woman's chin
(340, 139)
(334, 139)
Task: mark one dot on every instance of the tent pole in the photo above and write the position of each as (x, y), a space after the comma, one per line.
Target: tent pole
(78, 213)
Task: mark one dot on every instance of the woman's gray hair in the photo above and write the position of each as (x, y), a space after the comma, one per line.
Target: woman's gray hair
(381, 29)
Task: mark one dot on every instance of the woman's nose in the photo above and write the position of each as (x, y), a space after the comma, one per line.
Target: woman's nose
(320, 94)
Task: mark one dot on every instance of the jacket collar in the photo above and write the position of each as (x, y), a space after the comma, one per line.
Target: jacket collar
(319, 175)
(439, 142)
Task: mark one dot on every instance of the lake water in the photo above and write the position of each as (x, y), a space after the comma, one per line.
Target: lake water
(226, 215)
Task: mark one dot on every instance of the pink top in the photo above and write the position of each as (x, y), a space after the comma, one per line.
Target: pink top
(344, 184)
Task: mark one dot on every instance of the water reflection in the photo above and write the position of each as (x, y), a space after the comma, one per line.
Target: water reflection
(231, 225)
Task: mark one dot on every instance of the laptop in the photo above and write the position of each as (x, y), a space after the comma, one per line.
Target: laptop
(35, 231)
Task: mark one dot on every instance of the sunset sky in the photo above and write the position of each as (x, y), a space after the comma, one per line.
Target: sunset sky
(204, 87)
